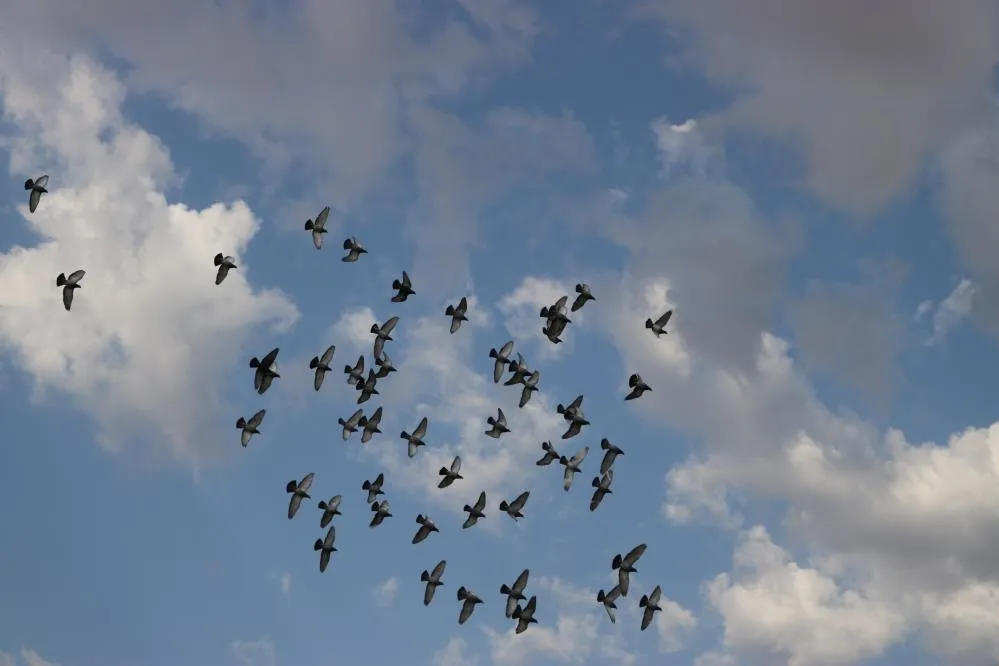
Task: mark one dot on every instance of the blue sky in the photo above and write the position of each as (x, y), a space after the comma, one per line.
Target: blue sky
(810, 187)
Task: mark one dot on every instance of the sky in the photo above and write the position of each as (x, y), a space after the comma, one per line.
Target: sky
(809, 185)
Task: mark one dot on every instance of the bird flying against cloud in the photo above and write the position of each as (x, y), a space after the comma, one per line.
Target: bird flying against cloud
(457, 314)
(251, 427)
(299, 490)
(318, 227)
(225, 264)
(69, 285)
(36, 188)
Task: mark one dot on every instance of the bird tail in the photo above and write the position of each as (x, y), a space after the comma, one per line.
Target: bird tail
(644, 601)
(61, 280)
(503, 506)
(579, 288)
(375, 329)
(406, 436)
(342, 422)
(616, 562)
(29, 184)
(467, 508)
(322, 505)
(449, 311)
(240, 423)
(444, 471)
(605, 444)
(314, 363)
(596, 482)
(363, 421)
(366, 485)
(309, 225)
(254, 362)
(218, 259)
(396, 284)
(504, 589)
(462, 593)
(563, 460)
(425, 576)
(601, 596)
(560, 408)
(544, 312)
(493, 353)
(318, 545)
(648, 323)
(420, 518)
(291, 487)
(516, 612)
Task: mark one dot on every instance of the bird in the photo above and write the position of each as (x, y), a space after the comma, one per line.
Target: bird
(550, 455)
(415, 441)
(611, 452)
(651, 604)
(658, 327)
(69, 285)
(637, 386)
(426, 527)
(374, 488)
(266, 371)
(574, 415)
(367, 387)
(530, 386)
(552, 330)
(519, 371)
(381, 511)
(514, 509)
(385, 367)
(354, 250)
(457, 314)
(498, 425)
(224, 263)
(572, 466)
(450, 475)
(515, 592)
(325, 548)
(583, 295)
(469, 600)
(573, 408)
(502, 359)
(251, 427)
(476, 511)
(556, 311)
(321, 364)
(404, 287)
(608, 599)
(433, 581)
(355, 373)
(524, 615)
(299, 490)
(383, 334)
(329, 509)
(370, 425)
(37, 188)
(350, 425)
(626, 565)
(602, 487)
(318, 228)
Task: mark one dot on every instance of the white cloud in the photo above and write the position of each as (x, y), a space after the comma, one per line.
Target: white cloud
(28, 658)
(455, 654)
(285, 583)
(258, 652)
(951, 311)
(681, 146)
(522, 308)
(714, 658)
(674, 623)
(385, 592)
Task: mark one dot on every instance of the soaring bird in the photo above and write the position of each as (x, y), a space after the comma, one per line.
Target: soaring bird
(381, 511)
(69, 285)
(602, 487)
(404, 287)
(574, 415)
(515, 508)
(572, 466)
(450, 475)
(611, 452)
(469, 601)
(426, 527)
(515, 592)
(36, 188)
(225, 264)
(550, 455)
(433, 581)
(498, 425)
(329, 509)
(530, 386)
(354, 250)
(637, 386)
(383, 334)
(415, 441)
(321, 364)
(298, 490)
(519, 371)
(385, 367)
(524, 615)
(502, 359)
(626, 565)
(651, 604)
(608, 599)
(370, 425)
(266, 371)
(325, 548)
(367, 387)
(658, 327)
(350, 425)
(355, 373)
(374, 488)
(584, 295)
(318, 227)
(457, 314)
(567, 412)
(476, 511)
(251, 427)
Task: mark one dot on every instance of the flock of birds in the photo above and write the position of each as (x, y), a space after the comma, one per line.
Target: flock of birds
(519, 607)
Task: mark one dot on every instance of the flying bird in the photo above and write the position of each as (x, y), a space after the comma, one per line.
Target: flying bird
(415, 441)
(321, 364)
(550, 455)
(381, 511)
(611, 452)
(573, 408)
(601, 488)
(350, 425)
(433, 581)
(502, 359)
(515, 508)
(356, 373)
(318, 227)
(555, 311)
(651, 604)
(469, 600)
(475, 512)
(383, 334)
(515, 592)
(426, 527)
(69, 285)
(370, 425)
(658, 327)
(637, 386)
(583, 295)
(530, 386)
(574, 415)
(608, 600)
(519, 371)
(498, 425)
(325, 548)
(266, 371)
(572, 466)
(299, 490)
(329, 509)
(367, 387)
(251, 427)
(37, 188)
(626, 565)
(450, 475)
(374, 488)
(385, 367)
(524, 615)
(457, 314)
(354, 250)
(224, 263)
(404, 287)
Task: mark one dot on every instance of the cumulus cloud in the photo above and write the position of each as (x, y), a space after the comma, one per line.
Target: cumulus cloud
(28, 658)
(385, 592)
(455, 654)
(951, 311)
(259, 652)
(522, 306)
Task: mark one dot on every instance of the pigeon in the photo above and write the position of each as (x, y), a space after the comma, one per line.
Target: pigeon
(325, 548)
(573, 408)
(601, 485)
(350, 425)
(265, 371)
(658, 327)
(37, 188)
(354, 250)
(433, 581)
(329, 509)
(225, 264)
(475, 512)
(404, 287)
(502, 359)
(651, 604)
(251, 427)
(519, 371)
(555, 311)
(370, 425)
(374, 488)
(524, 615)
(608, 599)
(530, 386)
(381, 510)
(550, 456)
(356, 373)
(584, 295)
(498, 425)
(450, 475)
(572, 466)
(415, 441)
(318, 228)
(574, 415)
(553, 330)
(514, 509)
(457, 314)
(383, 334)
(385, 367)
(626, 565)
(637, 386)
(515, 592)
(321, 364)
(426, 527)
(367, 388)
(611, 452)
(69, 284)
(299, 490)
(469, 600)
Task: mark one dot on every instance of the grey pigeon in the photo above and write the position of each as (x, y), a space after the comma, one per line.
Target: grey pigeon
(370, 425)
(611, 452)
(626, 566)
(450, 475)
(299, 490)
(69, 285)
(608, 600)
(415, 441)
(381, 511)
(251, 427)
(374, 488)
(584, 295)
(318, 227)
(266, 371)
(658, 327)
(572, 466)
(651, 604)
(404, 287)
(325, 548)
(550, 455)
(602, 487)
(469, 600)
(555, 311)
(321, 364)
(350, 425)
(354, 250)
(515, 592)
(367, 388)
(426, 527)
(498, 425)
(356, 373)
(530, 386)
(515, 508)
(36, 188)
(383, 334)
(553, 330)
(457, 314)
(574, 415)
(502, 359)
(476, 511)
(567, 412)
(329, 509)
(637, 386)
(225, 264)
(524, 615)
(433, 581)
(519, 371)
(385, 367)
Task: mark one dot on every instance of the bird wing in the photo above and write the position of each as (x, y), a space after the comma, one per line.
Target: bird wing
(463, 305)
(525, 395)
(501, 417)
(222, 272)
(567, 478)
(656, 596)
(518, 504)
(320, 222)
(438, 570)
(257, 418)
(306, 482)
(42, 180)
(575, 404)
(421, 429)
(293, 504)
(67, 297)
(521, 582)
(634, 555)
(455, 325)
(421, 534)
(506, 349)
(33, 200)
(388, 326)
(428, 593)
(327, 356)
(480, 503)
(662, 321)
(456, 465)
(647, 617)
